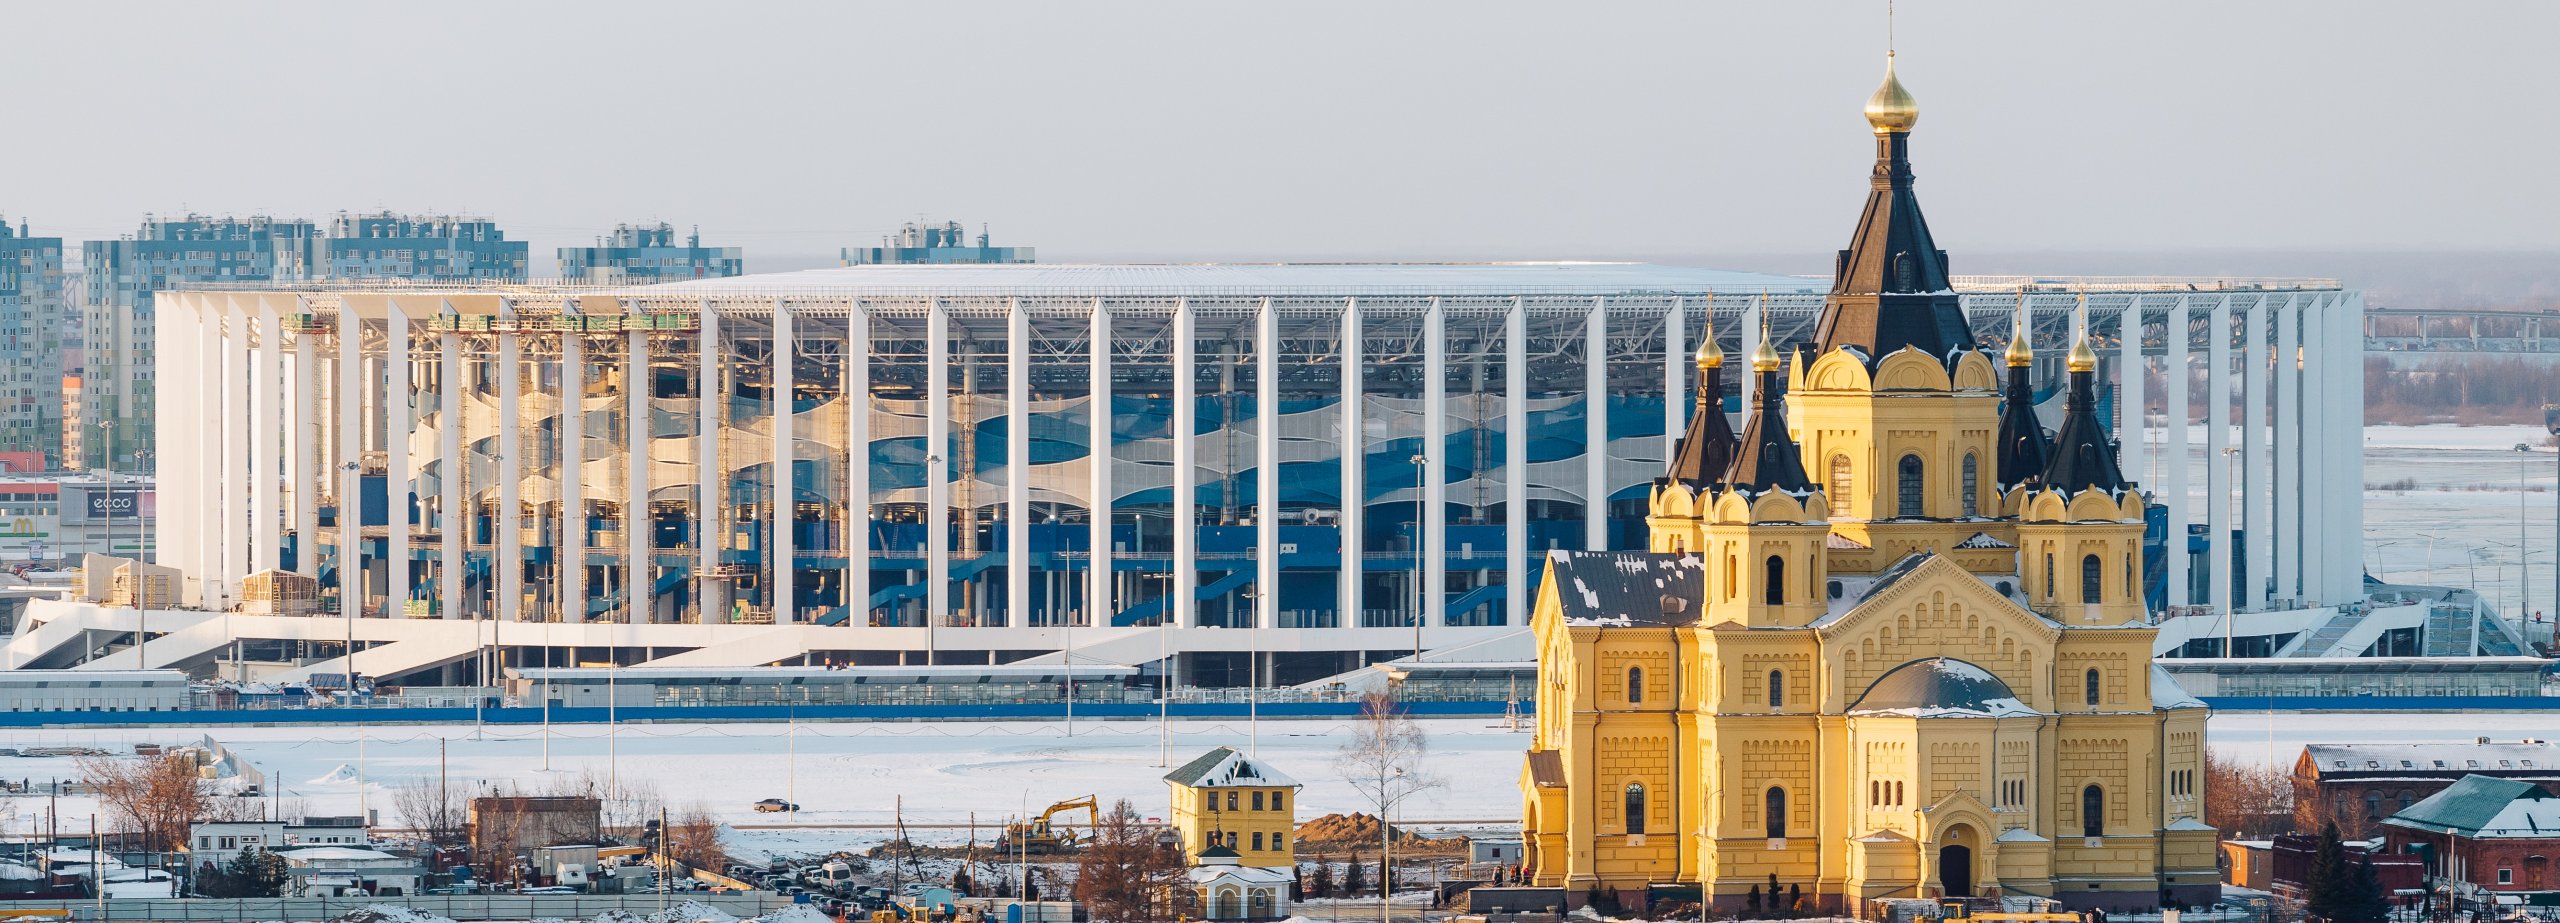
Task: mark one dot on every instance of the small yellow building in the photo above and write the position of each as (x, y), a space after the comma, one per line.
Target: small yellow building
(1227, 799)
(1888, 642)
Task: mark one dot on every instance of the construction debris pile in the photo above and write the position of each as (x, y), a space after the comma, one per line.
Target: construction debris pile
(1354, 831)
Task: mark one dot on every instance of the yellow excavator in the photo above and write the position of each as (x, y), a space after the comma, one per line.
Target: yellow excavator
(1039, 838)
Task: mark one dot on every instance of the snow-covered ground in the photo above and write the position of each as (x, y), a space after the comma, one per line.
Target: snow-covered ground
(843, 773)
(951, 773)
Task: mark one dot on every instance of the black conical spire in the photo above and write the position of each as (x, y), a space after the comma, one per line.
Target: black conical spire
(2082, 456)
(1769, 459)
(2023, 450)
(1707, 448)
(1889, 289)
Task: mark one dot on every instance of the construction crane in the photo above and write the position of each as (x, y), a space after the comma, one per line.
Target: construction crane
(1038, 837)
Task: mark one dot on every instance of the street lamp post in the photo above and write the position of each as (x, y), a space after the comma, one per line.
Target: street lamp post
(2551, 421)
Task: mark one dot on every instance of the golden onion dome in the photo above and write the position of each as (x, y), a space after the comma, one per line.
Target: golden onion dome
(2082, 358)
(1892, 109)
(2020, 355)
(1710, 356)
(1764, 358)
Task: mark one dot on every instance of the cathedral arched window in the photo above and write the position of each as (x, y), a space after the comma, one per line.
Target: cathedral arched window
(2092, 578)
(1732, 576)
(1911, 495)
(2132, 585)
(1635, 807)
(1777, 688)
(2093, 811)
(1840, 483)
(1635, 685)
(1775, 591)
(2089, 688)
(1777, 813)
(1972, 484)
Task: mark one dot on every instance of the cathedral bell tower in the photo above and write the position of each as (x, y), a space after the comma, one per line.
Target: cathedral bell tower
(1899, 412)
(1707, 447)
(2080, 522)
(1764, 528)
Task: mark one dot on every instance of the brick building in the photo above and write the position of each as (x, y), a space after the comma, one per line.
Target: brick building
(2484, 836)
(2357, 785)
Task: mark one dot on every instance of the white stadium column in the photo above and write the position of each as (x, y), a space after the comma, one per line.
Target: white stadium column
(304, 478)
(1355, 490)
(570, 554)
(1433, 561)
(2312, 429)
(349, 442)
(1595, 426)
(1186, 524)
(2177, 413)
(1266, 479)
(265, 438)
(2346, 426)
(400, 416)
(639, 581)
(783, 557)
(1515, 456)
(454, 523)
(507, 562)
(1675, 374)
(711, 604)
(857, 447)
(2129, 374)
(2217, 467)
(1751, 318)
(1017, 468)
(2288, 467)
(234, 342)
(1099, 606)
(937, 480)
(2255, 522)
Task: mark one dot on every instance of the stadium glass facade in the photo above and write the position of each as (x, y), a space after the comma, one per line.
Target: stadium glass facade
(1428, 430)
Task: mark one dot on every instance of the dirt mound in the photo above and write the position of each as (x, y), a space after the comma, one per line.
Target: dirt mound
(1350, 831)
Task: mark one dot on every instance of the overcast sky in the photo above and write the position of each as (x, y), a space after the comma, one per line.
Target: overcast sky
(1685, 131)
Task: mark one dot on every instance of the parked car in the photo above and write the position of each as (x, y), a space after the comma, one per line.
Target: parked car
(776, 806)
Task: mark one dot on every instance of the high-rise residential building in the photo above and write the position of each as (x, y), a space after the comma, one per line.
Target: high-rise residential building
(431, 248)
(32, 315)
(122, 275)
(947, 242)
(648, 253)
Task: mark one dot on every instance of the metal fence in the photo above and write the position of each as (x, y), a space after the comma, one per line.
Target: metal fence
(452, 906)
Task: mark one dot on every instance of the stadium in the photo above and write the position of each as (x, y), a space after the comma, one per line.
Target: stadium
(1481, 414)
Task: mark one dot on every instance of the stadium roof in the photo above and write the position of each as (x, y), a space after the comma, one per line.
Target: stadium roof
(1297, 279)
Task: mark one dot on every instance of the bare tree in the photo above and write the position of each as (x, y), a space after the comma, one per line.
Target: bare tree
(693, 838)
(626, 803)
(1383, 762)
(1128, 874)
(157, 799)
(2247, 799)
(432, 809)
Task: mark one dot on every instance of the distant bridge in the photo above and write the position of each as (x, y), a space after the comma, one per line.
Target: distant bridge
(2447, 330)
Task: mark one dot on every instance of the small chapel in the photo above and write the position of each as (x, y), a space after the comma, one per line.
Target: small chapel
(1889, 640)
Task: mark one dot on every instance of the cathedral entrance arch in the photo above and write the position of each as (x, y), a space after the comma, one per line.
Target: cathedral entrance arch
(1955, 870)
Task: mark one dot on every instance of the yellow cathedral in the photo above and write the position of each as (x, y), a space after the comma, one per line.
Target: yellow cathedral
(1888, 642)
